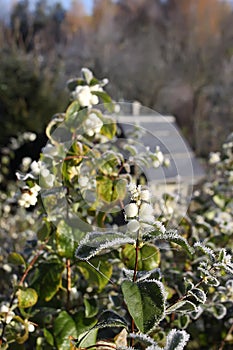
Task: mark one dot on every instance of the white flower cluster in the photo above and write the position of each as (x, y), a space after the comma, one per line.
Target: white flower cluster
(140, 213)
(85, 94)
(159, 158)
(29, 196)
(7, 313)
(214, 158)
(93, 124)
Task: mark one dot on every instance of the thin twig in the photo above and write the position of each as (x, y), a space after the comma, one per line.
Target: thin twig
(68, 275)
(225, 339)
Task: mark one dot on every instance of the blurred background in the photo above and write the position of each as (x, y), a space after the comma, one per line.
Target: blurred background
(175, 56)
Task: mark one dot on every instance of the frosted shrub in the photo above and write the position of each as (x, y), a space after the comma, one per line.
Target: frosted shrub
(101, 269)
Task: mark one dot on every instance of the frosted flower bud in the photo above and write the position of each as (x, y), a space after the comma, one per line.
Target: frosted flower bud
(145, 195)
(8, 313)
(87, 75)
(148, 221)
(36, 167)
(83, 181)
(131, 210)
(94, 100)
(31, 328)
(156, 164)
(145, 210)
(133, 226)
(214, 158)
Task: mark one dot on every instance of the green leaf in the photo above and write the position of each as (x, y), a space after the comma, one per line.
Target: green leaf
(96, 271)
(49, 337)
(104, 188)
(16, 259)
(182, 306)
(143, 275)
(27, 297)
(148, 257)
(103, 95)
(83, 324)
(91, 307)
(146, 303)
(64, 326)
(64, 240)
(108, 129)
(110, 319)
(218, 310)
(198, 294)
(49, 279)
(98, 242)
(177, 239)
(219, 200)
(183, 321)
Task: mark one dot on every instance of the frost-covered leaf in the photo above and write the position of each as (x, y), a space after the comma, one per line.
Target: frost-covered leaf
(177, 239)
(146, 303)
(206, 250)
(96, 242)
(198, 294)
(182, 306)
(218, 310)
(176, 340)
(143, 275)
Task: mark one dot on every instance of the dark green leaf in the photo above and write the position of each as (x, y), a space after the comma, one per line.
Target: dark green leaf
(198, 294)
(146, 303)
(64, 327)
(182, 306)
(177, 239)
(91, 307)
(98, 242)
(97, 271)
(49, 337)
(49, 279)
(16, 259)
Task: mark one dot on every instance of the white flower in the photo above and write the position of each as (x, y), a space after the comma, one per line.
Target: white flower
(8, 314)
(214, 158)
(156, 163)
(131, 210)
(26, 161)
(83, 181)
(31, 327)
(133, 225)
(145, 210)
(29, 196)
(83, 94)
(93, 124)
(145, 195)
(36, 167)
(48, 178)
(159, 155)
